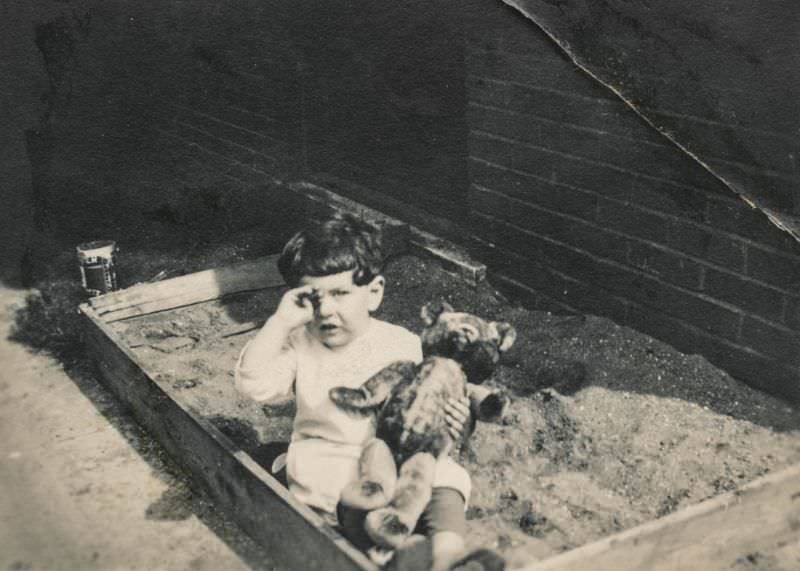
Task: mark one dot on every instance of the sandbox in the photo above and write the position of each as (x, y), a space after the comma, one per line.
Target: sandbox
(609, 429)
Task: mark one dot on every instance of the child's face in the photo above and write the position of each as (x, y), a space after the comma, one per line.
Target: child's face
(343, 310)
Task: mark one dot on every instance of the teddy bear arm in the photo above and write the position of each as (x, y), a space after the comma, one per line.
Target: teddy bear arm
(375, 390)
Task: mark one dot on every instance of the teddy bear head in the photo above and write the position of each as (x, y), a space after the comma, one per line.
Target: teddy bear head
(476, 344)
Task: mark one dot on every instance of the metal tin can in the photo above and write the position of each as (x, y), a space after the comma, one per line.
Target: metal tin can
(97, 260)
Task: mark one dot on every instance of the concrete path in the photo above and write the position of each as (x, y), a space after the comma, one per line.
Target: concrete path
(83, 487)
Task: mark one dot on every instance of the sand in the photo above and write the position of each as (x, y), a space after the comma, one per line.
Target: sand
(608, 428)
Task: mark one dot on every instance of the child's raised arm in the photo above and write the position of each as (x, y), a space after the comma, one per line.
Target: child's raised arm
(267, 365)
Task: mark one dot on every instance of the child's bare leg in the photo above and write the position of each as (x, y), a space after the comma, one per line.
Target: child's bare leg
(445, 523)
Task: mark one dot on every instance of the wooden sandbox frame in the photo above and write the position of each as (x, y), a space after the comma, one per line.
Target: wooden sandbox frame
(760, 519)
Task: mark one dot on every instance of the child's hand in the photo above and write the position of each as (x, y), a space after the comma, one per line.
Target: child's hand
(456, 414)
(296, 307)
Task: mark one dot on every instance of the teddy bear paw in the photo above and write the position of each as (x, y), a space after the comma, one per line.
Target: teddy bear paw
(494, 407)
(386, 528)
(352, 400)
(365, 495)
(377, 478)
(380, 556)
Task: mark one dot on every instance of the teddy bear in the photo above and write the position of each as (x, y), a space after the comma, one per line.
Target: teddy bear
(460, 351)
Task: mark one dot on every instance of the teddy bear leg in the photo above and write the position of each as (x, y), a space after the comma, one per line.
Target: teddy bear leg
(390, 526)
(377, 478)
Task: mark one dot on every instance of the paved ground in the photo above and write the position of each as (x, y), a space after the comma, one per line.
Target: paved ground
(81, 485)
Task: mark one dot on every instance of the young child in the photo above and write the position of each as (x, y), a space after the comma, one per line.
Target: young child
(323, 335)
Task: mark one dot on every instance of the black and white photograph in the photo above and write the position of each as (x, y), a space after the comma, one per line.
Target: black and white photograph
(367, 285)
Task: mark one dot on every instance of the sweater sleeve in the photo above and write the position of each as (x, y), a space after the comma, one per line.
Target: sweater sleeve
(269, 382)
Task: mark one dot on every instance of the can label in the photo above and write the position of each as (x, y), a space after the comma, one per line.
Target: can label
(98, 274)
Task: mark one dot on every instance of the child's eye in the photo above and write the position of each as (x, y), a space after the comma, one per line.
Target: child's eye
(340, 293)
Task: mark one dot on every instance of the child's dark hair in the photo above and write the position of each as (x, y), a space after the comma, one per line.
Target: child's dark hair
(337, 244)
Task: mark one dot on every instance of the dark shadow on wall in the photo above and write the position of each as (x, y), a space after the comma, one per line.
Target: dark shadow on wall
(384, 103)
(133, 107)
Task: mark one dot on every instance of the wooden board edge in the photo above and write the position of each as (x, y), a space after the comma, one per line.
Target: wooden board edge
(673, 542)
(252, 498)
(196, 287)
(452, 258)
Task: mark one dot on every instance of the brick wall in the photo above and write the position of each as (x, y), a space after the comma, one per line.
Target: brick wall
(383, 99)
(579, 205)
(345, 92)
(722, 81)
(227, 86)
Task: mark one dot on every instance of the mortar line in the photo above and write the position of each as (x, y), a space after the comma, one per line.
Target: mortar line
(706, 226)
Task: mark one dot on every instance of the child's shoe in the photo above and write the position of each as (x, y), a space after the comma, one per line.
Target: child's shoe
(416, 554)
(480, 560)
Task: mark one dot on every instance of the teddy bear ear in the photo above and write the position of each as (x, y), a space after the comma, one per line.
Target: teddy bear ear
(432, 310)
(506, 336)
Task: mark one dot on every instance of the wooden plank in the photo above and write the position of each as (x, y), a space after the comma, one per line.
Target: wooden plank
(295, 536)
(242, 276)
(193, 288)
(398, 236)
(453, 259)
(762, 519)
